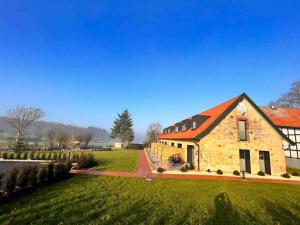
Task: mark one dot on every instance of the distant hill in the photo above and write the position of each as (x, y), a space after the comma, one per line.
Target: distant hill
(40, 129)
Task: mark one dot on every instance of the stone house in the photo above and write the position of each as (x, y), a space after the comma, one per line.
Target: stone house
(235, 135)
(288, 121)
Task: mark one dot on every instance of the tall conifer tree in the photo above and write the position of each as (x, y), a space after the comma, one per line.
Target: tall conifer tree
(122, 128)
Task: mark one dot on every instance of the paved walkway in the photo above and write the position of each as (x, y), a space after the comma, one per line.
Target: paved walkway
(144, 170)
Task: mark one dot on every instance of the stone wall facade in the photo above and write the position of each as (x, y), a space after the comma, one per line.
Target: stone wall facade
(220, 148)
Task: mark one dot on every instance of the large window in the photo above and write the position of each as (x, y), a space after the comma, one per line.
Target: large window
(242, 130)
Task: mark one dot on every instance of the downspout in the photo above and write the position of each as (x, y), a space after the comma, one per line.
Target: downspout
(198, 155)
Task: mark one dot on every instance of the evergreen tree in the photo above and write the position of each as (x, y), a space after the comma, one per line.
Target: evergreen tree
(122, 128)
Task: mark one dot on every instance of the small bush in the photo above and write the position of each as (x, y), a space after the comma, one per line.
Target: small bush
(31, 155)
(261, 173)
(25, 155)
(37, 157)
(18, 156)
(64, 157)
(41, 174)
(32, 176)
(43, 156)
(86, 161)
(9, 180)
(295, 174)
(11, 156)
(220, 172)
(183, 169)
(160, 170)
(5, 155)
(55, 156)
(236, 173)
(208, 170)
(59, 156)
(22, 177)
(286, 175)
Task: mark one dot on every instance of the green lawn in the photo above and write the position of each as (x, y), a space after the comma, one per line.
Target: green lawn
(115, 200)
(291, 170)
(125, 161)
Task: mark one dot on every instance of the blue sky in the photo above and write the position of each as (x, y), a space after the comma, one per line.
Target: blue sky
(85, 61)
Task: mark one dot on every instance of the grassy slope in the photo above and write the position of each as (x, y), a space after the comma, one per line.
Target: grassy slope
(125, 161)
(115, 200)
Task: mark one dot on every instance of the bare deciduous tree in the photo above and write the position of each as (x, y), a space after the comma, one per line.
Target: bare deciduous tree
(291, 99)
(153, 131)
(51, 136)
(21, 118)
(87, 138)
(62, 138)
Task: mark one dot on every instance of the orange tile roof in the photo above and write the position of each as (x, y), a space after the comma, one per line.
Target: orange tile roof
(283, 117)
(213, 113)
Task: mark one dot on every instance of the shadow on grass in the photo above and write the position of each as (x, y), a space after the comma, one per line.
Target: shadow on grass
(282, 214)
(225, 213)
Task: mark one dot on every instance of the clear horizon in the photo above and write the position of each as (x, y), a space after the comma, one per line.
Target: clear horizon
(84, 62)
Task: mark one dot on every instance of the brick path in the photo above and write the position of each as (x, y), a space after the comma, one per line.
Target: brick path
(145, 171)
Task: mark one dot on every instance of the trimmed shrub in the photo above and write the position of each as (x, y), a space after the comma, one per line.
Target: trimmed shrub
(183, 169)
(295, 174)
(261, 173)
(37, 157)
(11, 156)
(236, 173)
(32, 176)
(220, 172)
(176, 159)
(208, 170)
(55, 156)
(64, 157)
(25, 155)
(73, 158)
(18, 156)
(31, 155)
(49, 156)
(22, 177)
(9, 180)
(86, 161)
(160, 170)
(49, 172)
(286, 175)
(5, 155)
(43, 156)
(59, 171)
(59, 156)
(41, 174)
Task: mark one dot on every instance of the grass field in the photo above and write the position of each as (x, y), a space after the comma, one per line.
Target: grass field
(291, 170)
(115, 200)
(117, 160)
(125, 161)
